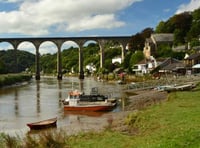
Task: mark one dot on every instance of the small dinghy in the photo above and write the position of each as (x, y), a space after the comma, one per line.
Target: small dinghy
(42, 124)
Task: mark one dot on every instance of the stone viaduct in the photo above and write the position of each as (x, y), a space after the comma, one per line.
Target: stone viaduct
(59, 41)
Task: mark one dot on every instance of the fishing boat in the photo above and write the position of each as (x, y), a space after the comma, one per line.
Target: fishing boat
(43, 124)
(94, 96)
(77, 105)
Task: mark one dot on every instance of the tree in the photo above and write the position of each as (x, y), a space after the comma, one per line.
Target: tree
(160, 28)
(194, 31)
(164, 51)
(126, 61)
(2, 67)
(24, 60)
(137, 40)
(136, 57)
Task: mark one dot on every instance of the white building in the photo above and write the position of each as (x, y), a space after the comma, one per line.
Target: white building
(117, 60)
(91, 68)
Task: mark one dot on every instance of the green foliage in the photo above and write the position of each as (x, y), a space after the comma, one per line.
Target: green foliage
(2, 67)
(90, 54)
(194, 31)
(160, 28)
(13, 79)
(179, 37)
(164, 51)
(194, 42)
(48, 63)
(15, 61)
(70, 58)
(127, 60)
(185, 26)
(10, 141)
(132, 118)
(137, 40)
(136, 57)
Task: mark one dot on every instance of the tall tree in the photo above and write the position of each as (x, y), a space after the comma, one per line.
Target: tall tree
(194, 31)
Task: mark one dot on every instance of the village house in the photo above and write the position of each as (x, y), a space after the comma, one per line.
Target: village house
(192, 63)
(140, 68)
(152, 43)
(117, 60)
(91, 68)
(161, 65)
(171, 65)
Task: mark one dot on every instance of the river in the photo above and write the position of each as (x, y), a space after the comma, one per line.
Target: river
(39, 100)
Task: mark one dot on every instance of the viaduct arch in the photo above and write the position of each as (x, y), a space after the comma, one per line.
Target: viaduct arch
(59, 41)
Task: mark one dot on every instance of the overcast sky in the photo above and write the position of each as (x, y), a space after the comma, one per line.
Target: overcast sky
(56, 18)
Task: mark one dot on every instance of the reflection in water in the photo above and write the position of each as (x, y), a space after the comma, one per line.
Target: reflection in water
(16, 103)
(81, 87)
(38, 96)
(60, 92)
(85, 113)
(123, 100)
(40, 100)
(59, 89)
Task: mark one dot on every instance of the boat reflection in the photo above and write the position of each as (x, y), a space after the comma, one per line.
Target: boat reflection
(84, 113)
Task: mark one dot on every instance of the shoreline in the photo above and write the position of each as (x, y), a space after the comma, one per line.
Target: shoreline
(137, 100)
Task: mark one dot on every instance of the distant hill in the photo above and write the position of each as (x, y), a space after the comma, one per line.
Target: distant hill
(10, 64)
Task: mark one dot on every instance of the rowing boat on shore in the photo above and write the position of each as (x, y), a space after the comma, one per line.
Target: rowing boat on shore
(42, 124)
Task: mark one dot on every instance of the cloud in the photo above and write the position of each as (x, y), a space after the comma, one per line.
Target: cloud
(95, 22)
(10, 1)
(194, 4)
(37, 17)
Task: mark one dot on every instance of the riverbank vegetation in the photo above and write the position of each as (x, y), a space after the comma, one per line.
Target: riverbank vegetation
(171, 123)
(11, 79)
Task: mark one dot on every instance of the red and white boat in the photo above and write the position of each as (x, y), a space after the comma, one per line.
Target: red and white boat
(94, 96)
(75, 105)
(78, 101)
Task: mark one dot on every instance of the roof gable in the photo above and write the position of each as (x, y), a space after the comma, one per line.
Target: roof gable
(193, 56)
(162, 37)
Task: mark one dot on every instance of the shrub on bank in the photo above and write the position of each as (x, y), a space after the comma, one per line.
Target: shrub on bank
(10, 79)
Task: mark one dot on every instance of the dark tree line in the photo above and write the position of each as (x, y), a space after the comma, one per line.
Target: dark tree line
(15, 61)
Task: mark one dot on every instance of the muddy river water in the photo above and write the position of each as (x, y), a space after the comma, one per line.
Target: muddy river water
(39, 100)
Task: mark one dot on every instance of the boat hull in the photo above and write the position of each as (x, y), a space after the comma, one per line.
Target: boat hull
(89, 107)
(43, 124)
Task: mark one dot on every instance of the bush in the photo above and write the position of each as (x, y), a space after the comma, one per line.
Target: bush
(6, 80)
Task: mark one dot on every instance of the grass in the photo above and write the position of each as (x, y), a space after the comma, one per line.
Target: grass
(174, 123)
(10, 79)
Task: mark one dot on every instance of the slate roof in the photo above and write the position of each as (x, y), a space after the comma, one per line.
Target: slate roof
(174, 66)
(193, 56)
(162, 37)
(171, 64)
